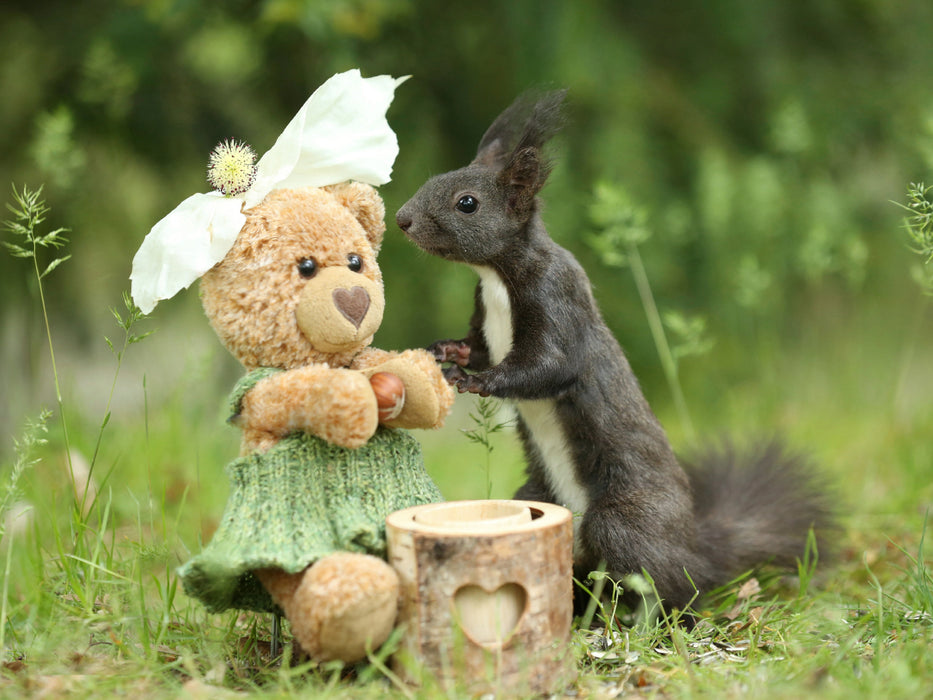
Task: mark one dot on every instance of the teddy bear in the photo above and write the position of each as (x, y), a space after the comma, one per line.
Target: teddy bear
(325, 453)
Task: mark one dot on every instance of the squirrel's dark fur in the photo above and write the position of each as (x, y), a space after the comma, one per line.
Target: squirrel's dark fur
(591, 441)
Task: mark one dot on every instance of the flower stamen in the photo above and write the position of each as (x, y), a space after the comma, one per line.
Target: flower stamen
(231, 168)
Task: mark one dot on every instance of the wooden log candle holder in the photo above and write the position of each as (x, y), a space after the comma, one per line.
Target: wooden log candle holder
(487, 595)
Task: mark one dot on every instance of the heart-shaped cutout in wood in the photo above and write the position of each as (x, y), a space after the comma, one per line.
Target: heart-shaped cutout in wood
(490, 618)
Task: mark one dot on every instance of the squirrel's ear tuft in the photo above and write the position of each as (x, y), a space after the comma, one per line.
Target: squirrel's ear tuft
(530, 121)
(512, 145)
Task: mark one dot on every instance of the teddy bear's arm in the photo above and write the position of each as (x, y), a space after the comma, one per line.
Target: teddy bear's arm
(428, 396)
(337, 405)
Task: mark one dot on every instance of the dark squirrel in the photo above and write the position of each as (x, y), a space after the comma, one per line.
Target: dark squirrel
(591, 441)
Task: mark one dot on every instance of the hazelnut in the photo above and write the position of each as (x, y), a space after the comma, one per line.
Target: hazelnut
(390, 394)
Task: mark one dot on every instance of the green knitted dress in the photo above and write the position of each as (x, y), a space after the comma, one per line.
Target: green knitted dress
(300, 501)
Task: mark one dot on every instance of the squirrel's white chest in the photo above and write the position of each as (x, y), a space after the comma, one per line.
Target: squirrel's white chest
(497, 323)
(539, 416)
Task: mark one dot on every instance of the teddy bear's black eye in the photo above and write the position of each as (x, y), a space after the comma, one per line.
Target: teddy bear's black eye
(467, 204)
(307, 268)
(354, 262)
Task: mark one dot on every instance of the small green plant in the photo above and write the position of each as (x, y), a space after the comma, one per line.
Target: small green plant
(806, 567)
(918, 597)
(24, 450)
(485, 418)
(690, 334)
(87, 572)
(918, 222)
(622, 228)
(126, 324)
(597, 599)
(29, 213)
(919, 226)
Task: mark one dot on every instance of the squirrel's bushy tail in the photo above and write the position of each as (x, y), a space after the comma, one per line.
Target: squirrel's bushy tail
(756, 506)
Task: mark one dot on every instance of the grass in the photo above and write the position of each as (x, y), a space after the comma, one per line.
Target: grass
(95, 523)
(91, 607)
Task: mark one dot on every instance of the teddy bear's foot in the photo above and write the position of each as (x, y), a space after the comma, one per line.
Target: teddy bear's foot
(345, 605)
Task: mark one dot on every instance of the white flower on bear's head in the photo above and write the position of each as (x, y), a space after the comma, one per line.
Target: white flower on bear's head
(339, 134)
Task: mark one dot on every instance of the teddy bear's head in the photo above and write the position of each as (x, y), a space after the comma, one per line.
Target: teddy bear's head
(301, 283)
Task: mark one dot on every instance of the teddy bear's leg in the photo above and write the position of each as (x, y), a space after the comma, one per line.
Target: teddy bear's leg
(345, 606)
(340, 607)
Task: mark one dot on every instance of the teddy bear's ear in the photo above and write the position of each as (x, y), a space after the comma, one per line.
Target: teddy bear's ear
(366, 206)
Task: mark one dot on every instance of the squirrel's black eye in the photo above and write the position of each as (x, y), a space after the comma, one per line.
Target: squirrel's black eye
(354, 262)
(467, 204)
(307, 268)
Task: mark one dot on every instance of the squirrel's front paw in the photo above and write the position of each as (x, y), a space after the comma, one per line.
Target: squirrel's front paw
(465, 383)
(456, 351)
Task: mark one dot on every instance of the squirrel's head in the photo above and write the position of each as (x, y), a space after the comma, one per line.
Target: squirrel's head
(479, 212)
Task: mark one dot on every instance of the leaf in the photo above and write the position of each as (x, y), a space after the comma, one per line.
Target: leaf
(622, 223)
(17, 251)
(54, 239)
(690, 332)
(749, 589)
(52, 265)
(136, 338)
(16, 228)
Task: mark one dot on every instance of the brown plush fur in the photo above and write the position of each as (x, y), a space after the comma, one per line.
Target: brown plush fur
(346, 602)
(268, 315)
(251, 296)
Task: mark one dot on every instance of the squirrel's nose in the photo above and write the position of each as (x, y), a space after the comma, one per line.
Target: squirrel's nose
(403, 219)
(352, 303)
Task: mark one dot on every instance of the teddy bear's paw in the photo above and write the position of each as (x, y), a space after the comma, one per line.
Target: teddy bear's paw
(346, 413)
(427, 397)
(345, 606)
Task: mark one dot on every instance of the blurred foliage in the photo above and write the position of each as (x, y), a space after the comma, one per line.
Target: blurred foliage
(763, 142)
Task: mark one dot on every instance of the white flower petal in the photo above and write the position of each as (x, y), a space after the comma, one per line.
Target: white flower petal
(339, 134)
(188, 242)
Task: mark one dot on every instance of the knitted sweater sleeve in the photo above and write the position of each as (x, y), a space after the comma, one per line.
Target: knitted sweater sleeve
(242, 388)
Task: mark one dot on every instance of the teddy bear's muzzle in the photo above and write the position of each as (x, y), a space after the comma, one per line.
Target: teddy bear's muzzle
(339, 309)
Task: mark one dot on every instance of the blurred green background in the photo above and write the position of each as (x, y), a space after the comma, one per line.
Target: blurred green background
(763, 144)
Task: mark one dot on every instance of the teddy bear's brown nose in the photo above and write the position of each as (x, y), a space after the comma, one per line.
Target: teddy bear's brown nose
(352, 303)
